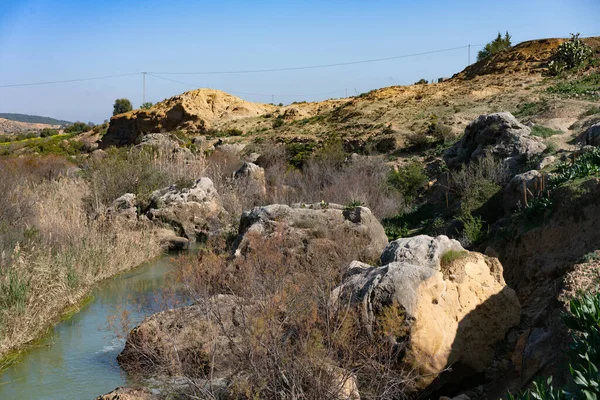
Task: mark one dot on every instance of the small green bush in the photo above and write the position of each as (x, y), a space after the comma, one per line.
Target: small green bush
(122, 106)
(278, 122)
(409, 180)
(78, 127)
(47, 132)
(146, 106)
(584, 86)
(13, 292)
(473, 228)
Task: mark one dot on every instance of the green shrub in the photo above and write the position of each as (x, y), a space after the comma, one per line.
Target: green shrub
(569, 55)
(394, 232)
(13, 291)
(146, 106)
(78, 127)
(495, 46)
(409, 180)
(47, 132)
(542, 131)
(278, 122)
(472, 229)
(593, 110)
(587, 164)
(122, 106)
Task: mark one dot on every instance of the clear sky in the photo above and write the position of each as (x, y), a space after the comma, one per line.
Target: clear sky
(48, 40)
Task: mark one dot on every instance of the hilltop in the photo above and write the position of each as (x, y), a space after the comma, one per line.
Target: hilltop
(391, 118)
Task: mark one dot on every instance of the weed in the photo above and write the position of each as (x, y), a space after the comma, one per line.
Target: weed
(409, 180)
(452, 255)
(542, 131)
(530, 109)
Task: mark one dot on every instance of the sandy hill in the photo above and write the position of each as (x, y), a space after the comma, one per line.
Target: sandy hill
(196, 110)
(511, 81)
(8, 126)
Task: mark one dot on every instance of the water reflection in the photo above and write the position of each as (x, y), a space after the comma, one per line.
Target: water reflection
(77, 360)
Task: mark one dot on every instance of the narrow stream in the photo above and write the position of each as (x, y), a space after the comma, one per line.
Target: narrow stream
(77, 360)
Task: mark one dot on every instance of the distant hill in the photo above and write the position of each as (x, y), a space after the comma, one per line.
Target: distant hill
(33, 119)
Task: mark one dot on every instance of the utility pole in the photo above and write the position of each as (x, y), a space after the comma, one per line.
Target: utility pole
(143, 87)
(346, 93)
(273, 98)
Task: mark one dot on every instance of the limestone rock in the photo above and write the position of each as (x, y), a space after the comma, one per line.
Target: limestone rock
(186, 341)
(500, 135)
(123, 393)
(451, 314)
(527, 185)
(313, 229)
(421, 250)
(195, 213)
(166, 144)
(124, 206)
(252, 177)
(592, 135)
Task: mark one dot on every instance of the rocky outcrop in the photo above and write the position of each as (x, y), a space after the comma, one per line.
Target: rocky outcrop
(124, 206)
(123, 393)
(166, 144)
(189, 341)
(592, 135)
(313, 230)
(196, 110)
(500, 135)
(453, 308)
(194, 213)
(522, 189)
(252, 178)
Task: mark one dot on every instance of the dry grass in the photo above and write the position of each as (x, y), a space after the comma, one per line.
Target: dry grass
(289, 341)
(61, 255)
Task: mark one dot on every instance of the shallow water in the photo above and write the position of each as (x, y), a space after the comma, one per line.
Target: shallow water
(77, 360)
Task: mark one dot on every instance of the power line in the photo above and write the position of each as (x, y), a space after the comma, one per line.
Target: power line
(252, 71)
(68, 80)
(249, 94)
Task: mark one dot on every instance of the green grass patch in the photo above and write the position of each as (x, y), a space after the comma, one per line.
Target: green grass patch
(593, 110)
(452, 255)
(529, 109)
(543, 132)
(583, 86)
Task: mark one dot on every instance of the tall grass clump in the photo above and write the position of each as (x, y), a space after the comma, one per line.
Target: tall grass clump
(52, 253)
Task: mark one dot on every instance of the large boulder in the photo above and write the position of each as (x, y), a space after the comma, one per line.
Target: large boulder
(252, 178)
(454, 305)
(314, 230)
(124, 393)
(592, 135)
(195, 213)
(196, 341)
(124, 206)
(500, 135)
(166, 144)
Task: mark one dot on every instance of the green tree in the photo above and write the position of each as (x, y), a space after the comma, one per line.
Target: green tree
(495, 46)
(122, 106)
(146, 106)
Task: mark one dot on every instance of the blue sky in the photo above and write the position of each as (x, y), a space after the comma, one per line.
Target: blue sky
(43, 40)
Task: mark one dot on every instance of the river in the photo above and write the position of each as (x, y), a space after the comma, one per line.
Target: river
(77, 359)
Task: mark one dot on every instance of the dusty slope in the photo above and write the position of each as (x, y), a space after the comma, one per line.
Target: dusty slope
(382, 118)
(195, 110)
(8, 127)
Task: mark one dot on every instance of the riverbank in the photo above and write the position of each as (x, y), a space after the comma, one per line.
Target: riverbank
(76, 359)
(55, 265)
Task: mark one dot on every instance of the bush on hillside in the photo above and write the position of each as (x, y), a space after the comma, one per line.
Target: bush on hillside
(146, 106)
(571, 54)
(495, 46)
(410, 180)
(122, 106)
(78, 127)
